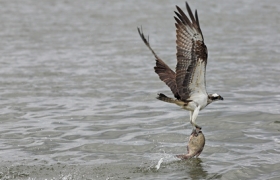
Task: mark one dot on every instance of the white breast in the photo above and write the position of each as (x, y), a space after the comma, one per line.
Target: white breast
(200, 99)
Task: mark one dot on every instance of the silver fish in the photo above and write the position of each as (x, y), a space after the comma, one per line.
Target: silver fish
(195, 146)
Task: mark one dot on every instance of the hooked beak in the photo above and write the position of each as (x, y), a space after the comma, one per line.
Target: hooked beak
(221, 98)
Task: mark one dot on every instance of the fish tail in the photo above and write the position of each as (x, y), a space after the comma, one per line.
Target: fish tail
(184, 156)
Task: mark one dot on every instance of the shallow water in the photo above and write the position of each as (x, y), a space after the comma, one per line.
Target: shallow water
(78, 91)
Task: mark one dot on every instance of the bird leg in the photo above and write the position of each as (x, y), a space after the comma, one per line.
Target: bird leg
(193, 118)
(193, 126)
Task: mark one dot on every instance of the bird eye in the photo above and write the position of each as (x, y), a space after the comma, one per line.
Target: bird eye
(215, 97)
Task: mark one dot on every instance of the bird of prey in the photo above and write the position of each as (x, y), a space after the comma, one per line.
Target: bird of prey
(188, 82)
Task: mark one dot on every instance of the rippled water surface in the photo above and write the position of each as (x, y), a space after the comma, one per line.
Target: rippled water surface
(78, 91)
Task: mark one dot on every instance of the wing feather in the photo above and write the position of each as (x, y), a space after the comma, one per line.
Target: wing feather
(165, 74)
(191, 55)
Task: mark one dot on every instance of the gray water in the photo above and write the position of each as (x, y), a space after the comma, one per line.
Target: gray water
(78, 91)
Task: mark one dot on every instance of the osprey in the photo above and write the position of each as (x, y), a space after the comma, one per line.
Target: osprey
(188, 82)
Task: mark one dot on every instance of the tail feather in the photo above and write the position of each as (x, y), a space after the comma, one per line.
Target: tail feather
(164, 98)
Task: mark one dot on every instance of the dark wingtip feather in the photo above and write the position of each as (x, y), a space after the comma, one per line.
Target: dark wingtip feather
(197, 21)
(177, 20)
(196, 17)
(190, 13)
(183, 17)
(178, 15)
(146, 41)
(142, 35)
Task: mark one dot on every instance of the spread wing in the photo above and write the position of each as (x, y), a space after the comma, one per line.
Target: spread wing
(191, 55)
(165, 74)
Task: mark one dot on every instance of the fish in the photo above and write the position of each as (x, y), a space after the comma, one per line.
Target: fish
(195, 146)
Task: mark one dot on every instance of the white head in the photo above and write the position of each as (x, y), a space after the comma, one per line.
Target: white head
(214, 97)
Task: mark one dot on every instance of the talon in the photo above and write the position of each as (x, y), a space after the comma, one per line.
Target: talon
(198, 130)
(198, 127)
(195, 132)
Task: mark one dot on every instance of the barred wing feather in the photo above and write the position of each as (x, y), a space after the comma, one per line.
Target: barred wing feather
(191, 55)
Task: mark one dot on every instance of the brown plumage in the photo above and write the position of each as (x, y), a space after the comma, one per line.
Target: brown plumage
(190, 51)
(164, 72)
(188, 82)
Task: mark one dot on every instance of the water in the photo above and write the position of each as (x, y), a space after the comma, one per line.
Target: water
(78, 91)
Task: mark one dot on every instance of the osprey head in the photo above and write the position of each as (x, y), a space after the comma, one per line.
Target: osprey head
(214, 97)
